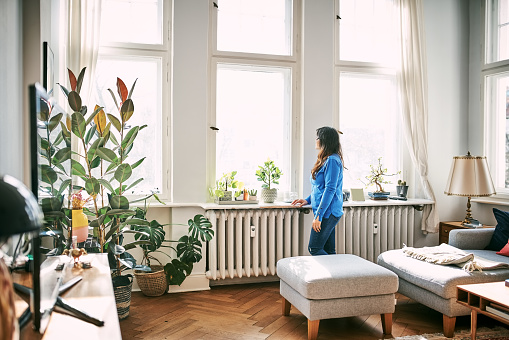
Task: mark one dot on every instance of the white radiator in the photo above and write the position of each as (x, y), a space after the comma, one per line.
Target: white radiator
(249, 242)
(369, 231)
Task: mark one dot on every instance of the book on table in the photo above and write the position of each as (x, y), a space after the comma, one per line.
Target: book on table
(498, 310)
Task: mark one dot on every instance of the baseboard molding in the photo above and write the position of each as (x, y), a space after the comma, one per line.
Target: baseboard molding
(193, 282)
(244, 280)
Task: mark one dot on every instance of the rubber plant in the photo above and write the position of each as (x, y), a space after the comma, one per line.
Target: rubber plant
(102, 166)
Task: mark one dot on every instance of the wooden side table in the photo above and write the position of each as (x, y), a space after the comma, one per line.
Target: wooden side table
(446, 227)
(478, 296)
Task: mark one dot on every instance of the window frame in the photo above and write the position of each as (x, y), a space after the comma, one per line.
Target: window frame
(489, 69)
(164, 52)
(257, 60)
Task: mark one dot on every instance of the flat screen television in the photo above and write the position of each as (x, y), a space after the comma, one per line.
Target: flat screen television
(50, 167)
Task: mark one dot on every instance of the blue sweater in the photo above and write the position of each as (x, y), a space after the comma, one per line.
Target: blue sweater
(327, 189)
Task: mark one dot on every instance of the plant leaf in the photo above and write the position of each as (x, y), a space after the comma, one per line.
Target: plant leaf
(78, 125)
(90, 133)
(119, 202)
(92, 186)
(100, 120)
(64, 90)
(48, 175)
(134, 183)
(62, 155)
(123, 172)
(116, 123)
(130, 137)
(74, 100)
(78, 169)
(132, 89)
(114, 99)
(106, 184)
(107, 154)
(176, 271)
(135, 165)
(72, 80)
(127, 110)
(80, 79)
(200, 227)
(121, 89)
(53, 122)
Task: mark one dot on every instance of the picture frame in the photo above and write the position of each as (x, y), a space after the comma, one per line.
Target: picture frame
(357, 194)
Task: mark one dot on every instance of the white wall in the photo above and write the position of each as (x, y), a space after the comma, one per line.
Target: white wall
(447, 39)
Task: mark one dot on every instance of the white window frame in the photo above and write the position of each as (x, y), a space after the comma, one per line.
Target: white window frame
(370, 68)
(254, 59)
(163, 52)
(491, 121)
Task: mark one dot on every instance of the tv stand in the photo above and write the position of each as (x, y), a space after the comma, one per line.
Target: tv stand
(93, 295)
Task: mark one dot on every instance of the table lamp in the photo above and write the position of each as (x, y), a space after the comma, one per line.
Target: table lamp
(469, 177)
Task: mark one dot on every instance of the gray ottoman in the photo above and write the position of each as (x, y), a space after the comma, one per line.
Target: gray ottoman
(336, 286)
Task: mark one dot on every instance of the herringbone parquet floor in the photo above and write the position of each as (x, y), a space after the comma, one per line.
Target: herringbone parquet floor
(253, 311)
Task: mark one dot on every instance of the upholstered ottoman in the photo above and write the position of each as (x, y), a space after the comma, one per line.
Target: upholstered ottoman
(336, 286)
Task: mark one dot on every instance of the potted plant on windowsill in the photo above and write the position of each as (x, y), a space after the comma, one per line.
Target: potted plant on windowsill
(269, 174)
(401, 188)
(220, 192)
(377, 177)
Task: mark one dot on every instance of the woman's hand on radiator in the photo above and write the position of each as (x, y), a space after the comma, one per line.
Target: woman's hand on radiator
(300, 202)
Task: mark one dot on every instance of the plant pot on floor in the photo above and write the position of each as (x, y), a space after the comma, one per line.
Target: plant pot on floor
(122, 287)
(153, 283)
(269, 195)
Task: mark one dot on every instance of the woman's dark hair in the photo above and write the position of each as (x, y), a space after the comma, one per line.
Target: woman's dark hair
(329, 145)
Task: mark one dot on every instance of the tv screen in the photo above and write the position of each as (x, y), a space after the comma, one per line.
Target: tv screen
(50, 172)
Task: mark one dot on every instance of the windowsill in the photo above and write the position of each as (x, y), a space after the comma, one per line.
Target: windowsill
(500, 200)
(283, 205)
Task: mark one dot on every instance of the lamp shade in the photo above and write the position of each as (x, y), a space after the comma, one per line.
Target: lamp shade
(19, 211)
(470, 177)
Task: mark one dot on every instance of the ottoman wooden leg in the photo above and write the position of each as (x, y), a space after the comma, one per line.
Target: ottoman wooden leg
(313, 329)
(387, 323)
(285, 306)
(449, 324)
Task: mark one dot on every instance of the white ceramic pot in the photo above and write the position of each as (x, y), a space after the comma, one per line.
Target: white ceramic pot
(269, 195)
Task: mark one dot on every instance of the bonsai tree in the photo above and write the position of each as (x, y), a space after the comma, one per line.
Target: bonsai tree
(377, 176)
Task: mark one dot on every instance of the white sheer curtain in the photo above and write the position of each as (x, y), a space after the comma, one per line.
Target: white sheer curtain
(84, 36)
(414, 99)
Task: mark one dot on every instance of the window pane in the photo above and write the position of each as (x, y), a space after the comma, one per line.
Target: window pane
(498, 110)
(132, 21)
(255, 26)
(368, 119)
(253, 116)
(367, 30)
(498, 30)
(147, 110)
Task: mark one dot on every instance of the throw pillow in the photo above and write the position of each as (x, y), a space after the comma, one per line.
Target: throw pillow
(504, 251)
(501, 233)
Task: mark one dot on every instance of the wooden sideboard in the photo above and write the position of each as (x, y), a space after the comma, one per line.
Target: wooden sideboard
(93, 295)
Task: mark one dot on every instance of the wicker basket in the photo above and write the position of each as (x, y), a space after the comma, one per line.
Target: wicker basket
(153, 283)
(123, 297)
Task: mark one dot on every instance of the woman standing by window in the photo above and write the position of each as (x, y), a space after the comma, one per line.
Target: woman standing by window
(326, 197)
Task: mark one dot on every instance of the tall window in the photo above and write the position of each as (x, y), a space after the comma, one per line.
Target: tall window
(135, 47)
(254, 66)
(367, 90)
(496, 84)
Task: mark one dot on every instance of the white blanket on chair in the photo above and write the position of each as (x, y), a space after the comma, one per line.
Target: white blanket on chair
(445, 254)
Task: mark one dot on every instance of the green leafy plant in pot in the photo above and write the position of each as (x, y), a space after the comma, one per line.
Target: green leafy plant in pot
(187, 252)
(220, 192)
(105, 172)
(269, 174)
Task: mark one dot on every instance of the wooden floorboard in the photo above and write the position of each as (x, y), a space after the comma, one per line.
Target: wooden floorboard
(253, 311)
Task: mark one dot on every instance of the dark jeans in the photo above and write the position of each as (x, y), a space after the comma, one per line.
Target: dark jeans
(324, 242)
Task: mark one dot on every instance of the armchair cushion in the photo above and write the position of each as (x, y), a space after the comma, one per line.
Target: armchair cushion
(501, 234)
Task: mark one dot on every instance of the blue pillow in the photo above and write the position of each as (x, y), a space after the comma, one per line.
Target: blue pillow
(501, 233)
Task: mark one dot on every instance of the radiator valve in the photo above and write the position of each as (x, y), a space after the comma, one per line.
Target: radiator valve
(253, 231)
(375, 228)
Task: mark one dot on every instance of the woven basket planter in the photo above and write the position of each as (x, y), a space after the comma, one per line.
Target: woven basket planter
(123, 295)
(153, 283)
